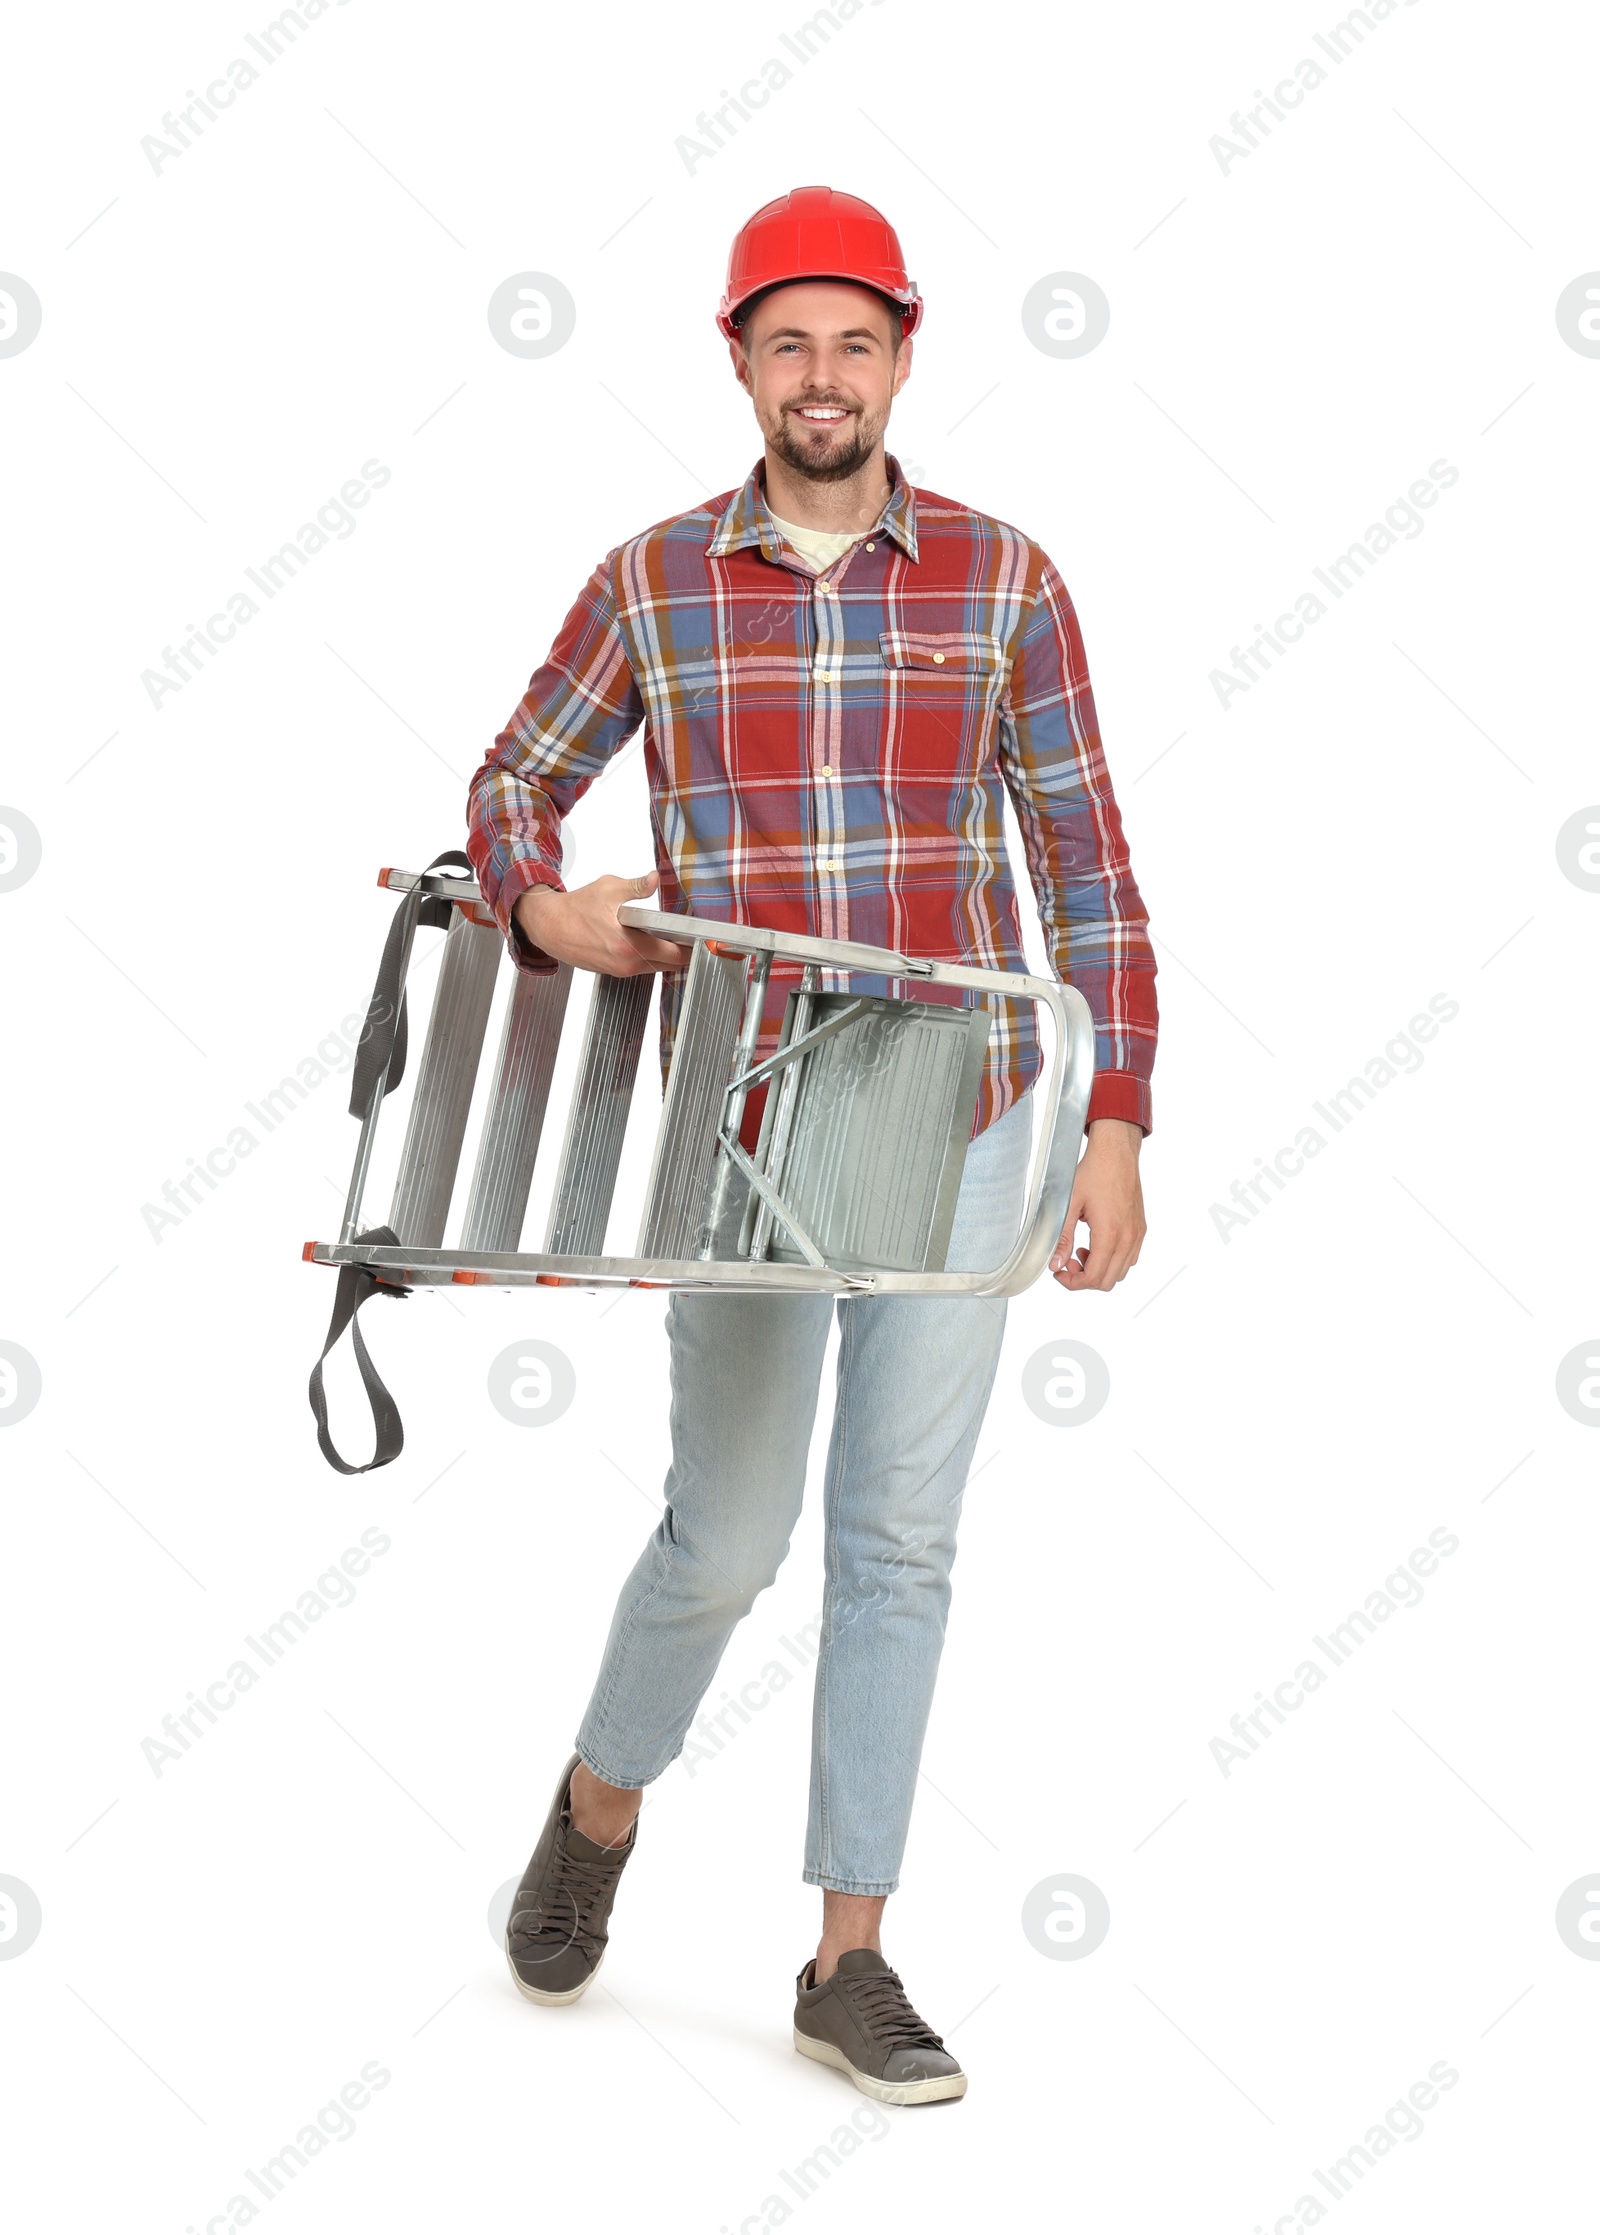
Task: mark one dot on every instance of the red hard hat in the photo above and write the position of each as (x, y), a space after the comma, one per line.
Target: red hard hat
(813, 232)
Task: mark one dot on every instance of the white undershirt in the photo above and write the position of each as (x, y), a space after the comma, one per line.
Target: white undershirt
(815, 544)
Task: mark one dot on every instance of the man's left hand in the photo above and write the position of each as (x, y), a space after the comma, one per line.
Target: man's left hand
(1107, 1198)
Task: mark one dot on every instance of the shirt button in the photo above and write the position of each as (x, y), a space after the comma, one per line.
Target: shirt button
(825, 770)
(872, 547)
(938, 659)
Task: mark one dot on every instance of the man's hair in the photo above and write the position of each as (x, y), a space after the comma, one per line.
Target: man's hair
(897, 318)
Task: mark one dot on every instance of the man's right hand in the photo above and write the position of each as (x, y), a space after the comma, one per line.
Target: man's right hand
(581, 927)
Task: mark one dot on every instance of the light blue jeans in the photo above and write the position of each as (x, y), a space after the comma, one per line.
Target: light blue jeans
(914, 1380)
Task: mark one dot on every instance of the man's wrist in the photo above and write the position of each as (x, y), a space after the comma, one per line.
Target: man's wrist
(528, 948)
(1119, 1132)
(525, 907)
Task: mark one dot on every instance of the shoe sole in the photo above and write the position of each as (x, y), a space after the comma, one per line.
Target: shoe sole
(938, 2090)
(542, 1994)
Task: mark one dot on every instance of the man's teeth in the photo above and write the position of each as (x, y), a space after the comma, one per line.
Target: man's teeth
(821, 411)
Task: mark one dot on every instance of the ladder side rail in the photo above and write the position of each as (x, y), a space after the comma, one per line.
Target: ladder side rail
(1059, 1141)
(350, 1225)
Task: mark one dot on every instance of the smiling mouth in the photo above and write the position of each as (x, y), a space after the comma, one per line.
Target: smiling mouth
(821, 415)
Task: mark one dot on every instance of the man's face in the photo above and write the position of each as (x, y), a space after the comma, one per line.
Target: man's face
(819, 361)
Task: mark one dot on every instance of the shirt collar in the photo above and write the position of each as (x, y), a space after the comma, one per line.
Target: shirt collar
(748, 521)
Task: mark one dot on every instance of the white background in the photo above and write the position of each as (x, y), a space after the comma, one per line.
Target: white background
(1292, 1410)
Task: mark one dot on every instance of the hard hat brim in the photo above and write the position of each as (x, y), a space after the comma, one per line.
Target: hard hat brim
(730, 313)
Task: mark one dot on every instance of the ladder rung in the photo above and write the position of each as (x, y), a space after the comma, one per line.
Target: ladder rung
(703, 1045)
(515, 1117)
(445, 1080)
(600, 1100)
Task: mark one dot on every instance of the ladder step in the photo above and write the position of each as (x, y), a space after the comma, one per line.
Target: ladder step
(882, 1116)
(703, 1047)
(445, 1080)
(515, 1119)
(601, 1097)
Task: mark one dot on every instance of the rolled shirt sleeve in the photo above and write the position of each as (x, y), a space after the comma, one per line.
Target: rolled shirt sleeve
(579, 708)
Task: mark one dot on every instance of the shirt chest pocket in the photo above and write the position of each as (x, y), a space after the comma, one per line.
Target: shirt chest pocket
(943, 688)
(942, 655)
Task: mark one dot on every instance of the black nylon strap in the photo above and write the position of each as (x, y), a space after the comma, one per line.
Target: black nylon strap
(379, 1067)
(356, 1284)
(382, 1045)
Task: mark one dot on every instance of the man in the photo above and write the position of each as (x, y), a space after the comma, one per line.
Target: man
(837, 676)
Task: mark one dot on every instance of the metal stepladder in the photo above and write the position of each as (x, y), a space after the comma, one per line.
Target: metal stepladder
(850, 1188)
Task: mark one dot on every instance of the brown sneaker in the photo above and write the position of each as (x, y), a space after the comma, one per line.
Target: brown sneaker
(556, 1935)
(860, 2021)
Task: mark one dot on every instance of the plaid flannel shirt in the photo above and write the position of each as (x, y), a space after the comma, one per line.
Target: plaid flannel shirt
(826, 754)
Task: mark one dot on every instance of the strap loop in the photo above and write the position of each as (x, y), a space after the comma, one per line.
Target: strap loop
(356, 1284)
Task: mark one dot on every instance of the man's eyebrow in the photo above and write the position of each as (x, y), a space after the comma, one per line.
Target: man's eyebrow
(802, 333)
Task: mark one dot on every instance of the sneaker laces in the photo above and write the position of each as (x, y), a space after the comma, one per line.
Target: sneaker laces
(574, 1890)
(885, 2010)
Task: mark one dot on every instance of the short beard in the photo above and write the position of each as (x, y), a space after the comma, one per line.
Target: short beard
(837, 466)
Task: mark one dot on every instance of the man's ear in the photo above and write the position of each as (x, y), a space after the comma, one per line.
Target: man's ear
(902, 370)
(736, 353)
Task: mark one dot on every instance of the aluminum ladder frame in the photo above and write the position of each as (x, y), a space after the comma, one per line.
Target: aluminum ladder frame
(413, 1253)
